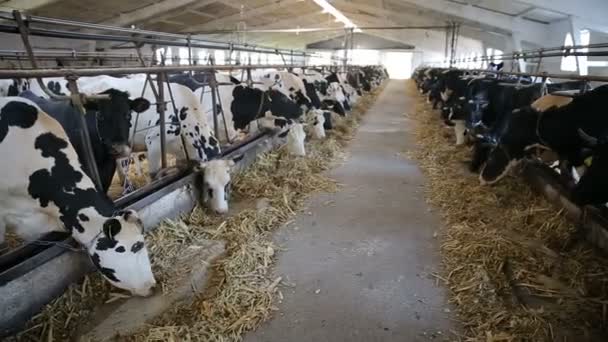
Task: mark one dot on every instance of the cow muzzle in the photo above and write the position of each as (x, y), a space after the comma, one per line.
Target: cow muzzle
(121, 150)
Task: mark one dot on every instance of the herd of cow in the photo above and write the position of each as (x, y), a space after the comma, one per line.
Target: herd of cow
(45, 185)
(508, 119)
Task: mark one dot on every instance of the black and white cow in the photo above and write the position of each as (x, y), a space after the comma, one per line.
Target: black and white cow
(272, 109)
(108, 123)
(187, 127)
(556, 128)
(44, 188)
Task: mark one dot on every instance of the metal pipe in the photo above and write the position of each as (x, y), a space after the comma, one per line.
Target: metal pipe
(322, 29)
(4, 74)
(576, 77)
(213, 86)
(160, 108)
(89, 158)
(133, 32)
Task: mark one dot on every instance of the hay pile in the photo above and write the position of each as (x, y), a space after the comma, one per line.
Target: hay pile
(508, 260)
(243, 291)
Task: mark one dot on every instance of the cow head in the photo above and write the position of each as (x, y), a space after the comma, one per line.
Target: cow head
(113, 119)
(272, 80)
(518, 136)
(318, 124)
(120, 254)
(216, 183)
(335, 92)
(295, 140)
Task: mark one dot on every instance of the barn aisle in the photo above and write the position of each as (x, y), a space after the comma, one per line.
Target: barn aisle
(361, 258)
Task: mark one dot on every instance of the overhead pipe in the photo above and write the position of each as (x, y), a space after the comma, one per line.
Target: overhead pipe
(135, 35)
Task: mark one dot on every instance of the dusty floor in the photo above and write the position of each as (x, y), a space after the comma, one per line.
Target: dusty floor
(361, 259)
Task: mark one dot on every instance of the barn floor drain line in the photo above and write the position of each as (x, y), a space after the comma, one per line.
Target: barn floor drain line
(242, 292)
(505, 253)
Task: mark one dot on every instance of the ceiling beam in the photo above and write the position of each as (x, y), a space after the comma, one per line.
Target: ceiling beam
(254, 12)
(526, 11)
(201, 14)
(591, 12)
(533, 32)
(153, 10)
(24, 5)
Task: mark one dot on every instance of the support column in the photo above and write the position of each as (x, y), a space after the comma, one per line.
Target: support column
(575, 32)
(516, 44)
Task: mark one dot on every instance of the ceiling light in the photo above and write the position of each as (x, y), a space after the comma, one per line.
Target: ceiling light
(328, 8)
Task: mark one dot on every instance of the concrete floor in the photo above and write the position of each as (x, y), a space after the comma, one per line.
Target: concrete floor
(361, 258)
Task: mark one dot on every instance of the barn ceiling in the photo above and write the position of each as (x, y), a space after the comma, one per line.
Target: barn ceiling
(481, 19)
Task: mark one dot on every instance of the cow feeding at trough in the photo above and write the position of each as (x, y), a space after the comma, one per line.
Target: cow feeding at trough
(510, 261)
(242, 292)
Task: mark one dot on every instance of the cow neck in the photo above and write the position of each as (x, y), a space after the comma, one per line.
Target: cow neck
(92, 230)
(263, 101)
(93, 122)
(538, 135)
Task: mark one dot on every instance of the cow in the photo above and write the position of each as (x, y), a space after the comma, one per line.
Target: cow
(271, 108)
(44, 188)
(13, 87)
(287, 83)
(186, 126)
(592, 187)
(556, 128)
(108, 122)
(318, 125)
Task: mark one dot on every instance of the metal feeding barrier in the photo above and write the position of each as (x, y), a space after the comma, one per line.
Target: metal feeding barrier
(592, 221)
(20, 269)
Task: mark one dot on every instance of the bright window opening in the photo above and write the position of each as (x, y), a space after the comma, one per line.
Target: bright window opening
(398, 64)
(218, 55)
(320, 58)
(568, 63)
(183, 56)
(168, 56)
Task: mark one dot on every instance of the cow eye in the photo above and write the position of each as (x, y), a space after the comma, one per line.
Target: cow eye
(137, 247)
(210, 192)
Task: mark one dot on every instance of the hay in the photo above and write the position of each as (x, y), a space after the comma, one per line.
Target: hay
(507, 260)
(243, 290)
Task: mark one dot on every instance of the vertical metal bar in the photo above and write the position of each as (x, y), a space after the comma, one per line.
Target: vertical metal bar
(213, 86)
(189, 53)
(89, 158)
(160, 108)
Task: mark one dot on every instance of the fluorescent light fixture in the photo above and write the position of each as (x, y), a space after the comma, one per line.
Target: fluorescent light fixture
(328, 8)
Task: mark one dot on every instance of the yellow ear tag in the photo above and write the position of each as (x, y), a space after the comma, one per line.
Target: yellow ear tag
(588, 161)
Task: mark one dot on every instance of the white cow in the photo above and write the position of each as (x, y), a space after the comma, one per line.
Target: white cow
(44, 188)
(187, 126)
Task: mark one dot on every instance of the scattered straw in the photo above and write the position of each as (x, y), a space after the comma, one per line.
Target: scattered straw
(242, 292)
(508, 263)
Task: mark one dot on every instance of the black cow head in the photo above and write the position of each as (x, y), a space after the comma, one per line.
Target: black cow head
(519, 135)
(113, 119)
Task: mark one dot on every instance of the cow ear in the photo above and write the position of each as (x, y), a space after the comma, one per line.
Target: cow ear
(111, 228)
(234, 80)
(139, 105)
(200, 167)
(130, 216)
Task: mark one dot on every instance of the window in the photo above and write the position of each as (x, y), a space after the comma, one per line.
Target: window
(218, 55)
(183, 56)
(202, 57)
(320, 58)
(168, 55)
(568, 63)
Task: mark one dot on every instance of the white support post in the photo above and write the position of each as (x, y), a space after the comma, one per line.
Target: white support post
(575, 32)
(516, 43)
